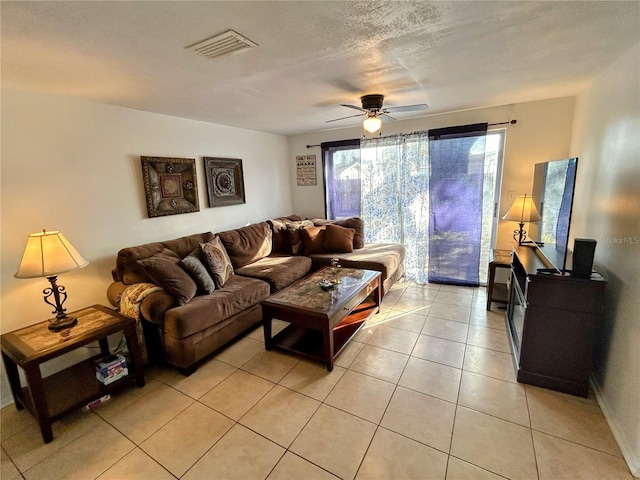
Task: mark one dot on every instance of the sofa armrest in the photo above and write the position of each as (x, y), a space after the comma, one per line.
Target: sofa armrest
(114, 292)
(155, 305)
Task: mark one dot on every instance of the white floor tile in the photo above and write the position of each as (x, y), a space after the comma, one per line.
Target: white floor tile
(426, 390)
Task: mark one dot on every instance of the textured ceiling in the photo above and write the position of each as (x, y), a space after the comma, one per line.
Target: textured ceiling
(312, 55)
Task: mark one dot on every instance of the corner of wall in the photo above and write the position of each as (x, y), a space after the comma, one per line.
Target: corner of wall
(631, 456)
(605, 138)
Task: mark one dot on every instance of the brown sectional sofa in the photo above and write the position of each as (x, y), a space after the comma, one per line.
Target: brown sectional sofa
(263, 262)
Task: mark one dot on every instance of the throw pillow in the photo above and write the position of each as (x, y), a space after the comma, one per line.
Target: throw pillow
(194, 266)
(164, 269)
(354, 222)
(280, 238)
(313, 239)
(293, 229)
(218, 261)
(338, 239)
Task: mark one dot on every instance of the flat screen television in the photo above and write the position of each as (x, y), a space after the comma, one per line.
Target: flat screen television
(553, 189)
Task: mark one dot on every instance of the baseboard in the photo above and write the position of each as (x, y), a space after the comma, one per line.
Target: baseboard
(6, 400)
(631, 456)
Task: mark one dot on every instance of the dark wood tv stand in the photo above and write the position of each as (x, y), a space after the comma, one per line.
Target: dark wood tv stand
(553, 321)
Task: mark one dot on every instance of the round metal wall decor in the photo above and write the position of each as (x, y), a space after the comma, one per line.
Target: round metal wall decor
(225, 181)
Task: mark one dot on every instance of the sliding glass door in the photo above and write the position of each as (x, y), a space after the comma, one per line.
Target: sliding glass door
(341, 163)
(388, 182)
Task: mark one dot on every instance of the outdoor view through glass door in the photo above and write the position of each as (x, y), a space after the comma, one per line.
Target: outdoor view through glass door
(346, 185)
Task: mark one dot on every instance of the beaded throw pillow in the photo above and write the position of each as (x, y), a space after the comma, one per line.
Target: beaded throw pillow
(218, 261)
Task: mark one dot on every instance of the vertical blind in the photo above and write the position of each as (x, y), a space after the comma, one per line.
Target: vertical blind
(456, 166)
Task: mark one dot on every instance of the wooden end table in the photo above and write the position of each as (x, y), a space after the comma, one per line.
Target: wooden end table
(322, 322)
(497, 292)
(51, 397)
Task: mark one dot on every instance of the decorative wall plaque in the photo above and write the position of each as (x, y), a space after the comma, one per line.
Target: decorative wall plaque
(225, 181)
(306, 170)
(170, 185)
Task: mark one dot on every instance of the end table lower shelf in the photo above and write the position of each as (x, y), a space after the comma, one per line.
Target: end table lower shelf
(58, 387)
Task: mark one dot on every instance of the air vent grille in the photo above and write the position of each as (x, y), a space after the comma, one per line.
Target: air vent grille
(227, 42)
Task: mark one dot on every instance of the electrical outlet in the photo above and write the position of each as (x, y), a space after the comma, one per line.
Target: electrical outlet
(511, 195)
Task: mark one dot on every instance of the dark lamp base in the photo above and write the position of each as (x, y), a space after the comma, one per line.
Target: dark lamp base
(59, 324)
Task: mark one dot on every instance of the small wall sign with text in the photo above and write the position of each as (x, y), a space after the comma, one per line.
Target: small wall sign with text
(306, 170)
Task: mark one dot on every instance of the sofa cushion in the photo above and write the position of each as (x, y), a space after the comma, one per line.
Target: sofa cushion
(338, 239)
(295, 240)
(218, 261)
(165, 270)
(128, 271)
(194, 265)
(356, 223)
(278, 270)
(386, 258)
(183, 246)
(290, 218)
(248, 244)
(238, 294)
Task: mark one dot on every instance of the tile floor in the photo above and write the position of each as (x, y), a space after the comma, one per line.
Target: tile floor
(426, 391)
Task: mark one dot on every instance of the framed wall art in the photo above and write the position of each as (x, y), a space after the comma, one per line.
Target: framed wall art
(306, 170)
(225, 181)
(170, 185)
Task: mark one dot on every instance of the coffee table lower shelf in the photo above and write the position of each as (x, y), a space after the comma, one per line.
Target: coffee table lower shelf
(309, 342)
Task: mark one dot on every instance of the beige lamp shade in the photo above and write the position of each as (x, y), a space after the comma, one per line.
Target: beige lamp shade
(372, 124)
(523, 210)
(48, 254)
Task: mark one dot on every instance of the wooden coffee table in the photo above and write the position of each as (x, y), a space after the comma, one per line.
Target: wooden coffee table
(322, 322)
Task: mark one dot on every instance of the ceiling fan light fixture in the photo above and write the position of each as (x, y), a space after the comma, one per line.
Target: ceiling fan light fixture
(372, 124)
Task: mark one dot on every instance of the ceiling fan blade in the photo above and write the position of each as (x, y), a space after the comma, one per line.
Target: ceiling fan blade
(386, 118)
(343, 118)
(407, 108)
(354, 107)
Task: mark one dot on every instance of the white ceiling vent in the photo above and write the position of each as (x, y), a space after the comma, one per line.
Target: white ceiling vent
(227, 42)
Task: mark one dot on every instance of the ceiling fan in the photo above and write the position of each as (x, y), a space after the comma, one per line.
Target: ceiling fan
(376, 113)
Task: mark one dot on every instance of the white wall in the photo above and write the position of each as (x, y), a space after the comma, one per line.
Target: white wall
(606, 137)
(542, 133)
(74, 166)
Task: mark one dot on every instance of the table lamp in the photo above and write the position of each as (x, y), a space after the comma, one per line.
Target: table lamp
(49, 254)
(523, 210)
